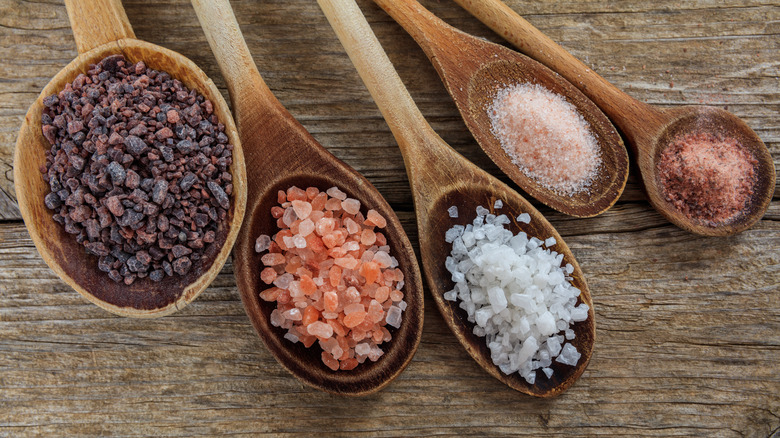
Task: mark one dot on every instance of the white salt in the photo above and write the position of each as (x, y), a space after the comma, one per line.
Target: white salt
(498, 204)
(545, 137)
(453, 211)
(524, 218)
(515, 292)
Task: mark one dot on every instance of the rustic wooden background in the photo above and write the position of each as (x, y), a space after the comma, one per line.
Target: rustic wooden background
(688, 328)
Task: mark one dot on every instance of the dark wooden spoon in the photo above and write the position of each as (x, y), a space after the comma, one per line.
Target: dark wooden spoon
(473, 70)
(280, 153)
(102, 29)
(441, 178)
(648, 129)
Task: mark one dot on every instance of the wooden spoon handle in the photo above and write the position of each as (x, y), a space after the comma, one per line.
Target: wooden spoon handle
(97, 22)
(624, 110)
(440, 41)
(244, 82)
(391, 96)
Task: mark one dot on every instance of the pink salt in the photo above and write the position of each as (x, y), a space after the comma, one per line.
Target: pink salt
(545, 137)
(707, 178)
(332, 275)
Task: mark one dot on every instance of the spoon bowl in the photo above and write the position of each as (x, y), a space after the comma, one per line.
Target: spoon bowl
(466, 198)
(281, 153)
(108, 33)
(474, 70)
(685, 120)
(647, 129)
(441, 178)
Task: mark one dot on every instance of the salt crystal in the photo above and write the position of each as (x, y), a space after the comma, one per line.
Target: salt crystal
(498, 204)
(335, 192)
(351, 206)
(262, 243)
(482, 211)
(569, 355)
(393, 317)
(453, 211)
(524, 218)
(550, 242)
(291, 337)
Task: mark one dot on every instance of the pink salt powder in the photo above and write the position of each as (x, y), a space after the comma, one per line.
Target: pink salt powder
(546, 138)
(707, 178)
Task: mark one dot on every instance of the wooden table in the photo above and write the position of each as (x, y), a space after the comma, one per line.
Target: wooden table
(688, 328)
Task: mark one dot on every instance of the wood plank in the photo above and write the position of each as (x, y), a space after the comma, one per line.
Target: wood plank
(688, 344)
(688, 328)
(727, 59)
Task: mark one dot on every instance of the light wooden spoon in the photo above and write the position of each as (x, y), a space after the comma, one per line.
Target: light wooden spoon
(473, 70)
(102, 29)
(280, 153)
(441, 178)
(648, 129)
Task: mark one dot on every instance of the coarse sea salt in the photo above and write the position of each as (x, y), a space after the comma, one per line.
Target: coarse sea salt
(545, 137)
(517, 294)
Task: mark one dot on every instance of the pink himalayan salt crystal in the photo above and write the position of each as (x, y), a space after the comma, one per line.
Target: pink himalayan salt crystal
(375, 218)
(302, 209)
(545, 137)
(335, 192)
(334, 277)
(351, 206)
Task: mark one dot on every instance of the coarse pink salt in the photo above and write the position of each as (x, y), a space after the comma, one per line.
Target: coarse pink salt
(545, 137)
(332, 274)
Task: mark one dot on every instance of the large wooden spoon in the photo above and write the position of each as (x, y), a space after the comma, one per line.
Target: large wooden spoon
(441, 178)
(280, 153)
(648, 129)
(474, 70)
(101, 29)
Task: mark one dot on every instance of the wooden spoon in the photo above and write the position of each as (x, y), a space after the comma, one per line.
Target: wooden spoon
(474, 70)
(102, 29)
(281, 153)
(441, 178)
(648, 129)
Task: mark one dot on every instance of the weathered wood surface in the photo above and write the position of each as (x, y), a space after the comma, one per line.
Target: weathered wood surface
(688, 328)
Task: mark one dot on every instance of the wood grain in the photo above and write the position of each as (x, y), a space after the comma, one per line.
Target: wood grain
(675, 356)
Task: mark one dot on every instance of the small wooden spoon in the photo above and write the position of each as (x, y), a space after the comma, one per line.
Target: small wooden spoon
(474, 70)
(281, 153)
(648, 129)
(102, 29)
(440, 178)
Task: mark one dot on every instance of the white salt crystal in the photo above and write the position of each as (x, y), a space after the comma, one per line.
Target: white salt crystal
(482, 211)
(569, 355)
(262, 243)
(550, 242)
(393, 316)
(362, 349)
(547, 372)
(498, 204)
(524, 218)
(291, 337)
(453, 211)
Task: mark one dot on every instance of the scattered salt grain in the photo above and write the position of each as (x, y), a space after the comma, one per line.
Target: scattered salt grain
(516, 293)
(498, 204)
(453, 211)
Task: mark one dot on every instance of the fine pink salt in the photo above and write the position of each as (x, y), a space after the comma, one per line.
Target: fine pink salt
(334, 281)
(707, 178)
(545, 137)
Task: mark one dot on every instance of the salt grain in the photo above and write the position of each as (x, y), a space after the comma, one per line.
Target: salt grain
(453, 211)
